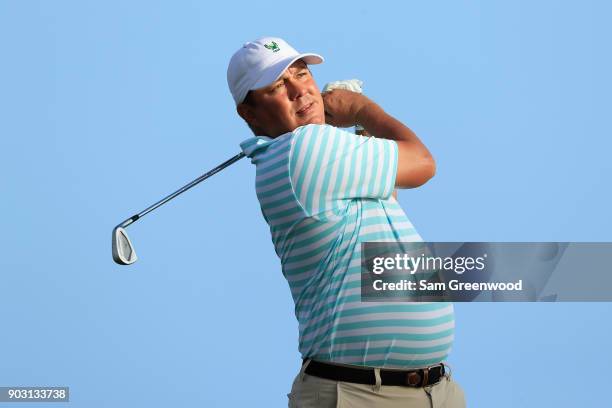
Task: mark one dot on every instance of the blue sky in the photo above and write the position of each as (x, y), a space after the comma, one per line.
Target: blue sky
(108, 106)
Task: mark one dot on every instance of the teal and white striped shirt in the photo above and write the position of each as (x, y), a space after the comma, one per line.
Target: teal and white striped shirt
(324, 191)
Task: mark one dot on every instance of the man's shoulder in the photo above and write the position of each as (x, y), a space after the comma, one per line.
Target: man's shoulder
(315, 129)
(320, 135)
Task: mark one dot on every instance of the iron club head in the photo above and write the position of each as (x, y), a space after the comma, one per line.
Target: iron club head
(123, 251)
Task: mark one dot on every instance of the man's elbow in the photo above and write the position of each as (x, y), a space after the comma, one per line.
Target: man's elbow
(418, 174)
(426, 172)
(431, 169)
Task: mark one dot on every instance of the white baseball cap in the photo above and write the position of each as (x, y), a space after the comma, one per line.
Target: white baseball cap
(261, 62)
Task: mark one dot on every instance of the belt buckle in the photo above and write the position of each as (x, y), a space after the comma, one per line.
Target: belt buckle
(413, 378)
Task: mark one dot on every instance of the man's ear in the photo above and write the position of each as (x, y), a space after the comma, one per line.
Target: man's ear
(247, 113)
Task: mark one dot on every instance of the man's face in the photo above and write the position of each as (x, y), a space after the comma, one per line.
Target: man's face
(293, 100)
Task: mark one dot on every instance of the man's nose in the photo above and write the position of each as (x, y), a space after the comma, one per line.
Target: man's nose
(295, 89)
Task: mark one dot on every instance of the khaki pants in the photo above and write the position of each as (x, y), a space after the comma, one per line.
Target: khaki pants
(310, 391)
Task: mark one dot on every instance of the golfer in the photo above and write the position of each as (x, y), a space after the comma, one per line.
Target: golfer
(323, 191)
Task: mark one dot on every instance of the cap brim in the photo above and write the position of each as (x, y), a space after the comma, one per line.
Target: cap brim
(275, 71)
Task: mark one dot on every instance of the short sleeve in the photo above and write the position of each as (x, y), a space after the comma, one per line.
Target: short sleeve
(329, 165)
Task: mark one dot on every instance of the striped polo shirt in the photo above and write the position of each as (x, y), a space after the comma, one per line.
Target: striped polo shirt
(323, 191)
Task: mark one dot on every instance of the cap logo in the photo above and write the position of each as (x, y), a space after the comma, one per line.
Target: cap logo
(272, 46)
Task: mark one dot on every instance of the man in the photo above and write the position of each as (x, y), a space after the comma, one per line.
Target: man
(323, 191)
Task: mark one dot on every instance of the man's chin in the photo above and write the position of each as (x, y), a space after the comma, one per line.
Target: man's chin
(313, 120)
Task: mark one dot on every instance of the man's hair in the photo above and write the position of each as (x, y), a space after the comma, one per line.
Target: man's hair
(248, 100)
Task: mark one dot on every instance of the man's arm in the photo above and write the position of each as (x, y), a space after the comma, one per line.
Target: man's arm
(415, 164)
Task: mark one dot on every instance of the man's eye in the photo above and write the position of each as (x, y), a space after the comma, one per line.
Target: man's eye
(303, 73)
(279, 85)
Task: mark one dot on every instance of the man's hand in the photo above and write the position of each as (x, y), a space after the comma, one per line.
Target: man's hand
(342, 107)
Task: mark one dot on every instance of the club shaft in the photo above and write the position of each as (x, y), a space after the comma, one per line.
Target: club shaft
(182, 190)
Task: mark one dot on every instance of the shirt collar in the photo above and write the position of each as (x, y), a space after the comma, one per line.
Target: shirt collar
(253, 144)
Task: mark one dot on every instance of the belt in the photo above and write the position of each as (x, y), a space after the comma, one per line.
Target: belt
(407, 378)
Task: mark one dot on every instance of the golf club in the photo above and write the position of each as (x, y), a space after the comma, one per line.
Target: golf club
(123, 250)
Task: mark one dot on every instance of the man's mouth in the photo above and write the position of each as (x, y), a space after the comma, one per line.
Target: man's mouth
(305, 109)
